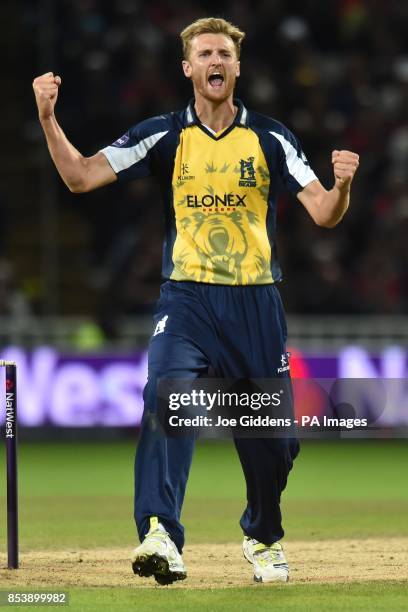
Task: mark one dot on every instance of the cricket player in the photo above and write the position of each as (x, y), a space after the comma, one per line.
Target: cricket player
(220, 167)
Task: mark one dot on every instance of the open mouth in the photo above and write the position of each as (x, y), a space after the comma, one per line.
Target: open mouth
(216, 79)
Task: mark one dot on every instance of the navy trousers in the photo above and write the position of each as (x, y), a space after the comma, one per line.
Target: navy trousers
(236, 332)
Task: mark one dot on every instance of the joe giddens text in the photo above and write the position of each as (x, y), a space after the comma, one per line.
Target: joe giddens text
(264, 421)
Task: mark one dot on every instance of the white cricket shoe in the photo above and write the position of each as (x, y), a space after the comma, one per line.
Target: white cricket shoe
(158, 556)
(269, 562)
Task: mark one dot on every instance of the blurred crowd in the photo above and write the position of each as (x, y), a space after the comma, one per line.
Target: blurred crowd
(335, 72)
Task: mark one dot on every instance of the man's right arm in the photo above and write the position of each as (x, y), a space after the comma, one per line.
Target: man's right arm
(79, 173)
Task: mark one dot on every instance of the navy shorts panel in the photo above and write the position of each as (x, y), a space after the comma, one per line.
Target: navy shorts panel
(182, 314)
(176, 357)
(253, 333)
(241, 329)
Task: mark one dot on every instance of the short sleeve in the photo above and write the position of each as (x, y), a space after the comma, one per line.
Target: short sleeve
(293, 167)
(132, 155)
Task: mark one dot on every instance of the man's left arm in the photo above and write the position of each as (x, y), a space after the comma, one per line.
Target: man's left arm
(328, 207)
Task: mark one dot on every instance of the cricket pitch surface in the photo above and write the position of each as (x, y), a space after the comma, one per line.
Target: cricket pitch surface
(214, 565)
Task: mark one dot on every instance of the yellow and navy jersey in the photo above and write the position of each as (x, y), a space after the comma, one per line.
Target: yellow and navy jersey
(219, 191)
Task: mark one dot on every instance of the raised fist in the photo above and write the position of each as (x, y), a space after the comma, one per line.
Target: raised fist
(345, 164)
(46, 93)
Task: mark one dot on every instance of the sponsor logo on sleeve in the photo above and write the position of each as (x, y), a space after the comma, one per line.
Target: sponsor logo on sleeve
(284, 363)
(160, 325)
(120, 142)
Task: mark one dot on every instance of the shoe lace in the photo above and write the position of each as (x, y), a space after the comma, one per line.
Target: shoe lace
(163, 536)
(267, 554)
(157, 534)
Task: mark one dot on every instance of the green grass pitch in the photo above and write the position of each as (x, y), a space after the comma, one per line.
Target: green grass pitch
(80, 495)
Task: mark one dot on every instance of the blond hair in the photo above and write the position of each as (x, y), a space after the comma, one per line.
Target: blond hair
(211, 25)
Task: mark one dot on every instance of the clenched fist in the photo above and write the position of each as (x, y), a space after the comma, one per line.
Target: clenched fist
(46, 93)
(345, 164)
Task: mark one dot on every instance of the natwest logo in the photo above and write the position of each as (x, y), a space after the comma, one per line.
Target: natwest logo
(228, 199)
